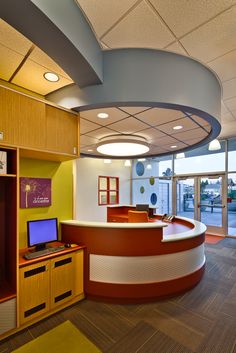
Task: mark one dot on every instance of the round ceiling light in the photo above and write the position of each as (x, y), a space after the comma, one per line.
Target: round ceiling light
(122, 145)
(51, 76)
(103, 115)
(178, 127)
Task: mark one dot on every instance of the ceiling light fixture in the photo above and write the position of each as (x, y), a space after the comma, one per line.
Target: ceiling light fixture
(51, 76)
(149, 166)
(127, 163)
(142, 159)
(180, 155)
(173, 146)
(107, 161)
(103, 115)
(178, 127)
(122, 145)
(214, 145)
(90, 150)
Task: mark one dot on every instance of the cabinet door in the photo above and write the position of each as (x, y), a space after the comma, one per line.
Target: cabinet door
(62, 131)
(79, 272)
(34, 291)
(62, 279)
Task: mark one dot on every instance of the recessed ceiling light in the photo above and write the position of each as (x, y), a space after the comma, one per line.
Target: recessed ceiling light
(173, 146)
(50, 76)
(178, 127)
(103, 115)
(107, 161)
(122, 145)
(90, 150)
(142, 159)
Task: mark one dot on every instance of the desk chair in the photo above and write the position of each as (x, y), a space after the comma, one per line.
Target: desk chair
(137, 216)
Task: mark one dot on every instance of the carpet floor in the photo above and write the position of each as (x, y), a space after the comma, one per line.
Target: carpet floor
(203, 320)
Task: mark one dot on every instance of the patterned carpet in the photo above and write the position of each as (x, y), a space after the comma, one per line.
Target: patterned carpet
(202, 320)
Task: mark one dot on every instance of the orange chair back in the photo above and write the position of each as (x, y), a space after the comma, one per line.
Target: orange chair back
(137, 216)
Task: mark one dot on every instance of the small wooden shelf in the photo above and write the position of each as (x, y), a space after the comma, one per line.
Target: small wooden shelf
(8, 175)
(6, 291)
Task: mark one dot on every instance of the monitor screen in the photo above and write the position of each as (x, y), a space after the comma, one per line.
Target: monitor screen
(42, 231)
(142, 207)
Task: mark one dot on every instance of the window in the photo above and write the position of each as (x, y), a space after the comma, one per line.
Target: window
(108, 190)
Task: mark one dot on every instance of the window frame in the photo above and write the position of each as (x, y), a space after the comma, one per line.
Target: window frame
(108, 190)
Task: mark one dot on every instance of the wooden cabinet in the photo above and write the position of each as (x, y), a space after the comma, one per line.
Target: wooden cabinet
(8, 224)
(62, 131)
(35, 125)
(47, 285)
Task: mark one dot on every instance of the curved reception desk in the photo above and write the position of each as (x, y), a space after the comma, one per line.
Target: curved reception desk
(138, 262)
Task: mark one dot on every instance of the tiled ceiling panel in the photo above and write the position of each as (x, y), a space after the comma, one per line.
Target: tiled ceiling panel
(158, 116)
(182, 16)
(128, 126)
(12, 39)
(150, 134)
(100, 133)
(31, 76)
(133, 31)
(186, 123)
(9, 61)
(188, 135)
(86, 126)
(111, 11)
(229, 88)
(113, 115)
(213, 39)
(176, 48)
(225, 66)
(134, 110)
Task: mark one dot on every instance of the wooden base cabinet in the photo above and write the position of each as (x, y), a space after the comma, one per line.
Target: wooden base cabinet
(46, 285)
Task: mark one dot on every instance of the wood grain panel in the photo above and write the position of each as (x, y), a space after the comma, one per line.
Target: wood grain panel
(79, 272)
(34, 290)
(62, 131)
(62, 279)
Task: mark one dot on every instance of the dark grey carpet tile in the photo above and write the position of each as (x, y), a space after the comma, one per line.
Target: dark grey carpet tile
(18, 340)
(221, 338)
(45, 325)
(161, 343)
(91, 331)
(229, 305)
(185, 317)
(229, 243)
(134, 339)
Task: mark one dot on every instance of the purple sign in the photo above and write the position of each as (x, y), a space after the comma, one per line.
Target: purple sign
(35, 192)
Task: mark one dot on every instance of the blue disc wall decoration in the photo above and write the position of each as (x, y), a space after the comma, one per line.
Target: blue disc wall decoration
(153, 198)
(140, 168)
(142, 189)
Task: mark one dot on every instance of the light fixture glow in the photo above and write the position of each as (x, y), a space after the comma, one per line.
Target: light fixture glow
(90, 150)
(122, 145)
(51, 76)
(214, 145)
(103, 115)
(141, 159)
(178, 127)
(174, 146)
(149, 166)
(107, 161)
(180, 155)
(127, 163)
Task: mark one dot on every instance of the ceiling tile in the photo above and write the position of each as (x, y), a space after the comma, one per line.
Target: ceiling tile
(10, 60)
(228, 117)
(183, 15)
(104, 14)
(229, 88)
(38, 56)
(86, 126)
(188, 135)
(194, 141)
(133, 31)
(12, 39)
(225, 66)
(178, 144)
(157, 150)
(87, 141)
(128, 126)
(203, 45)
(150, 134)
(228, 130)
(100, 133)
(133, 110)
(176, 48)
(224, 109)
(187, 124)
(167, 140)
(230, 103)
(200, 121)
(157, 116)
(114, 115)
(31, 77)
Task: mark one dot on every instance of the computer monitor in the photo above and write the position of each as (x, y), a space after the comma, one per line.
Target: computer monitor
(145, 207)
(42, 231)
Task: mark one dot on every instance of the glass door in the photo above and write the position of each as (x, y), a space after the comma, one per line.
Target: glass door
(211, 203)
(202, 198)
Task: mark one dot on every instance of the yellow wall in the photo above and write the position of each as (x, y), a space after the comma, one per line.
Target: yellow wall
(62, 192)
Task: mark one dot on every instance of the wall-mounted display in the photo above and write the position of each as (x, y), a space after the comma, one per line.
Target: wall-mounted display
(35, 192)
